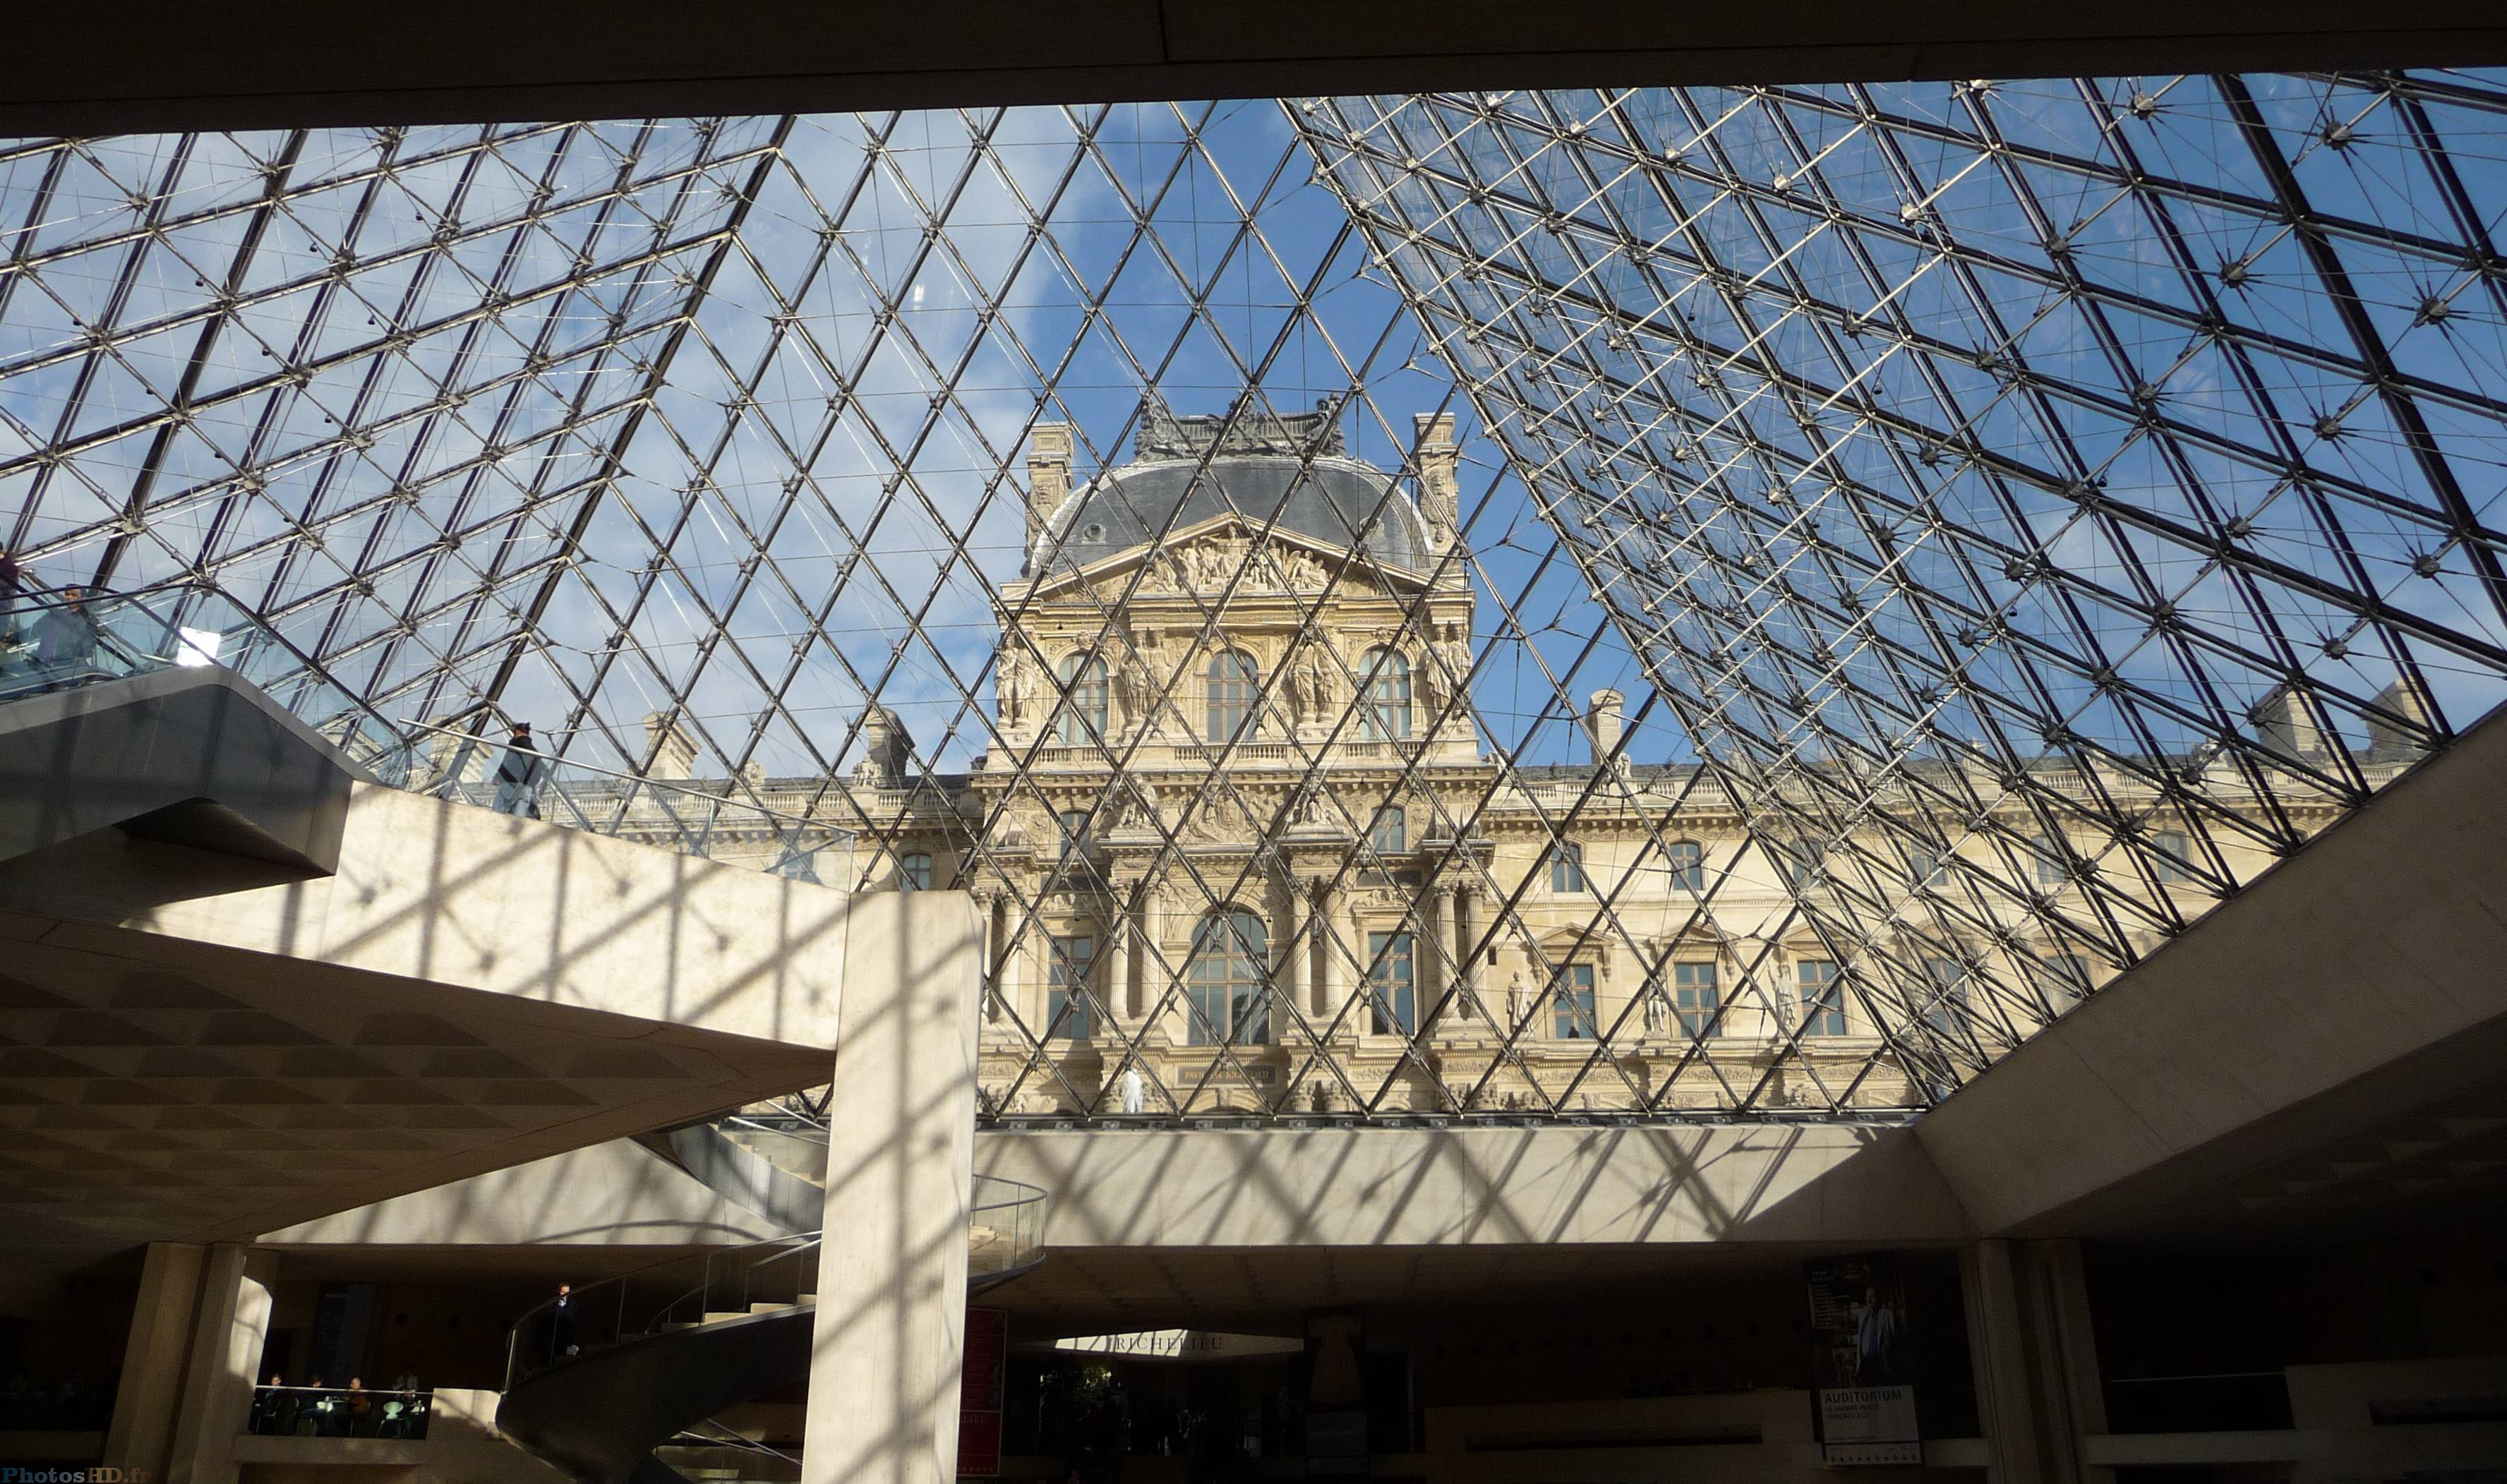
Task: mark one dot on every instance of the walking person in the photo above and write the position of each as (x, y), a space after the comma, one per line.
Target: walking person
(518, 776)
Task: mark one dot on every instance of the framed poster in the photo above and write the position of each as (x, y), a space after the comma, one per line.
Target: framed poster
(1863, 1366)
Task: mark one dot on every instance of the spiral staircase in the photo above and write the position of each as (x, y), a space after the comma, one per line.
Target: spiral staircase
(645, 1360)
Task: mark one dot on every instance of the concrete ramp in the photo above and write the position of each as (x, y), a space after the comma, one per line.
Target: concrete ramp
(193, 757)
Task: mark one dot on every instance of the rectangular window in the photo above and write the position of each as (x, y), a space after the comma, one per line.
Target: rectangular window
(1823, 998)
(1947, 994)
(1566, 867)
(1695, 996)
(914, 874)
(1924, 865)
(1571, 1003)
(2173, 851)
(1389, 983)
(1392, 831)
(2049, 860)
(1068, 1010)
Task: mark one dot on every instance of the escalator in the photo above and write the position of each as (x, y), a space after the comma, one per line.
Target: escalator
(630, 1365)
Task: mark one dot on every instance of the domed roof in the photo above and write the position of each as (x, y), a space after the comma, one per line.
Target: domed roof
(1340, 502)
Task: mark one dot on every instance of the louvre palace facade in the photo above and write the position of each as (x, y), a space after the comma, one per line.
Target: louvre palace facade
(1243, 851)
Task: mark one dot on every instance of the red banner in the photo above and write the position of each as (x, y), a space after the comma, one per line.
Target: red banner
(981, 1387)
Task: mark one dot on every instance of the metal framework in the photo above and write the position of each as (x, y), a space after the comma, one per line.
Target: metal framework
(2009, 515)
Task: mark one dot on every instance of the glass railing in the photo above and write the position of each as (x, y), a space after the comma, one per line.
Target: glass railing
(338, 1411)
(680, 1293)
(51, 641)
(693, 820)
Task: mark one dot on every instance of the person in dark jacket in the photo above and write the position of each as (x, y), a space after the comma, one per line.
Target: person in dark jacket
(518, 777)
(65, 635)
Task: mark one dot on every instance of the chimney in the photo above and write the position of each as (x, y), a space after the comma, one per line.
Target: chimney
(672, 753)
(1049, 476)
(1603, 726)
(2286, 723)
(2386, 738)
(1440, 500)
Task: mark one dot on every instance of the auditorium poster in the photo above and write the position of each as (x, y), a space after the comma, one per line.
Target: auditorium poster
(1862, 1361)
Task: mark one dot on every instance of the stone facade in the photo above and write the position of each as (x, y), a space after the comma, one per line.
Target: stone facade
(1260, 716)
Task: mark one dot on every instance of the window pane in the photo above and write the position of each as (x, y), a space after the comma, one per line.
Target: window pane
(1823, 998)
(1068, 1008)
(1389, 984)
(914, 873)
(1234, 682)
(1084, 712)
(2173, 850)
(1571, 1000)
(1392, 830)
(2049, 860)
(1694, 997)
(1688, 865)
(1224, 982)
(1567, 868)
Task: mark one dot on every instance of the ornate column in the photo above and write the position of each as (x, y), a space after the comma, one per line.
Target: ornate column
(1155, 970)
(1435, 910)
(1119, 998)
(1465, 974)
(996, 993)
(1332, 928)
(1301, 952)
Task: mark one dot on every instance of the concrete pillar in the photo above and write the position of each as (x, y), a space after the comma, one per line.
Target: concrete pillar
(141, 1436)
(2036, 1361)
(882, 1407)
(231, 1323)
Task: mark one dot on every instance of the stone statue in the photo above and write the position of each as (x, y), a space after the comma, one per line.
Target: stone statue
(886, 749)
(1658, 1012)
(1514, 995)
(1138, 808)
(1015, 693)
(1132, 681)
(1305, 573)
(1133, 1090)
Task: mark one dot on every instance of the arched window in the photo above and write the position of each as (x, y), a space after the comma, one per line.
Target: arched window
(1567, 866)
(1391, 833)
(1234, 682)
(1227, 982)
(1084, 708)
(1688, 865)
(1384, 688)
(914, 872)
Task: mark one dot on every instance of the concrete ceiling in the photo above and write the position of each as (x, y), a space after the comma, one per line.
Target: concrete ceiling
(1102, 1290)
(157, 64)
(221, 1100)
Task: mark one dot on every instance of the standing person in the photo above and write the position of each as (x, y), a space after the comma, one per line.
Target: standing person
(13, 587)
(518, 777)
(561, 1325)
(65, 635)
